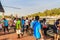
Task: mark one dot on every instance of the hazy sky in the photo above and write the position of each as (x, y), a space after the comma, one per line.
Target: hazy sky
(29, 6)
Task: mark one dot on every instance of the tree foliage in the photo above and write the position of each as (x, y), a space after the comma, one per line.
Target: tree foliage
(52, 12)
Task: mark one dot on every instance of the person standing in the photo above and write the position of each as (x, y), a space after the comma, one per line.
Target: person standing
(37, 28)
(5, 25)
(18, 27)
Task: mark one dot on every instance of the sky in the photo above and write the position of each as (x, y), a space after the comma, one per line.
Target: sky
(28, 7)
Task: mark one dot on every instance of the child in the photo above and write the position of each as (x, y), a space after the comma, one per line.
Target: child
(18, 28)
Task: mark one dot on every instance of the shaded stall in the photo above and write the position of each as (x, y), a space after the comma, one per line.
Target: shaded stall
(2, 9)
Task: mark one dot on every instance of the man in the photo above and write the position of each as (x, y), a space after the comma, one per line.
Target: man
(44, 25)
(37, 28)
(5, 25)
(27, 24)
(18, 27)
(31, 27)
(14, 24)
(23, 23)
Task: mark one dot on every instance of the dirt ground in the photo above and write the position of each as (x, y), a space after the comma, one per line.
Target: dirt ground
(13, 36)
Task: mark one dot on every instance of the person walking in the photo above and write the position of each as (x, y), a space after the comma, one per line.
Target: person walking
(44, 26)
(14, 24)
(18, 27)
(5, 25)
(23, 25)
(26, 24)
(31, 27)
(57, 29)
(37, 29)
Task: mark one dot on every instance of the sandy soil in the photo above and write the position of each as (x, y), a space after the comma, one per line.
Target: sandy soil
(13, 36)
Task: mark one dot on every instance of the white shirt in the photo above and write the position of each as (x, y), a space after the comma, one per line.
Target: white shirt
(26, 22)
(15, 21)
(31, 24)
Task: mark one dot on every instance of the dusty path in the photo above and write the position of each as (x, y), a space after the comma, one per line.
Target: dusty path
(13, 36)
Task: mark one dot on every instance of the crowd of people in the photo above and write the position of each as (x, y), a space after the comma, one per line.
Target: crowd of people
(31, 27)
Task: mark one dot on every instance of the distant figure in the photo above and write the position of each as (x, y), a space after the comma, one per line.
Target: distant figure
(37, 28)
(14, 24)
(23, 24)
(31, 23)
(18, 27)
(31, 26)
(44, 25)
(5, 25)
(26, 24)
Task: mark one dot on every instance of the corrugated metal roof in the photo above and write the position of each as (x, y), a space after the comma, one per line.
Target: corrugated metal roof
(1, 8)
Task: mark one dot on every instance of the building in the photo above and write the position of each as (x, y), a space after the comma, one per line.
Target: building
(1, 10)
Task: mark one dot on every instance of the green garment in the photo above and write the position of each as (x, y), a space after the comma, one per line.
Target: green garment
(18, 24)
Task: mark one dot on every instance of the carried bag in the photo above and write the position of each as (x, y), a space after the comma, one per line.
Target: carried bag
(18, 31)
